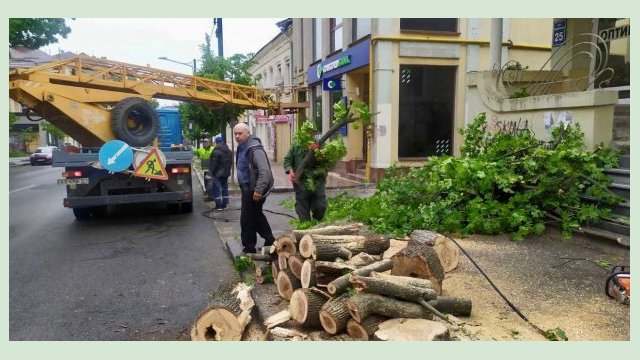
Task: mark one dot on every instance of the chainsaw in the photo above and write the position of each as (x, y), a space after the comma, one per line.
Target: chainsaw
(618, 285)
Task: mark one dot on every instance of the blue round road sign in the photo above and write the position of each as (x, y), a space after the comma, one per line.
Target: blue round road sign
(115, 155)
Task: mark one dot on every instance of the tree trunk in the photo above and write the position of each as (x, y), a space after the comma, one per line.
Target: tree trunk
(227, 315)
(305, 306)
(287, 283)
(362, 305)
(286, 245)
(294, 263)
(282, 260)
(409, 281)
(419, 261)
(262, 270)
(395, 246)
(447, 251)
(392, 289)
(363, 259)
(364, 331)
(340, 284)
(308, 274)
(371, 243)
(259, 257)
(411, 330)
(452, 305)
(330, 252)
(349, 229)
(275, 270)
(335, 314)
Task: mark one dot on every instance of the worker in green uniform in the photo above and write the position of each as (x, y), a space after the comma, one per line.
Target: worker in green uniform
(311, 200)
(204, 153)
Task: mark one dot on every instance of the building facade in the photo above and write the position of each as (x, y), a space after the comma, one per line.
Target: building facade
(411, 72)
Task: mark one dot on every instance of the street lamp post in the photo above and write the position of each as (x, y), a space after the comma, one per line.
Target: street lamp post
(193, 67)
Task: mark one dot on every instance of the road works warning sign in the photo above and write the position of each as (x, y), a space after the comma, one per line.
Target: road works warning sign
(151, 167)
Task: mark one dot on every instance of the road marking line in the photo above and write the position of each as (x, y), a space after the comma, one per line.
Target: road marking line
(24, 188)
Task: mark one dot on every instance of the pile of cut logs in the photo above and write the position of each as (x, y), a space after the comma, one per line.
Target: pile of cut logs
(397, 284)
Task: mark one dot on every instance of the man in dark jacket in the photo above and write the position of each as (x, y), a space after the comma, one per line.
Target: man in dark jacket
(220, 169)
(308, 200)
(256, 181)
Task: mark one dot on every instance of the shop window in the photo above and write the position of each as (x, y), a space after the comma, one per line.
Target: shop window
(317, 106)
(429, 24)
(426, 110)
(336, 34)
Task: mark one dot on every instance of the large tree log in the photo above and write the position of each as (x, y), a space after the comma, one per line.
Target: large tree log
(330, 252)
(287, 283)
(417, 282)
(364, 331)
(411, 330)
(308, 274)
(447, 251)
(419, 261)
(305, 306)
(227, 315)
(335, 314)
(294, 263)
(369, 243)
(286, 245)
(362, 305)
(395, 246)
(275, 270)
(452, 305)
(349, 229)
(259, 257)
(392, 289)
(363, 259)
(282, 260)
(340, 284)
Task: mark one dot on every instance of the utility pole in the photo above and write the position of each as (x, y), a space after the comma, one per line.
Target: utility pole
(218, 23)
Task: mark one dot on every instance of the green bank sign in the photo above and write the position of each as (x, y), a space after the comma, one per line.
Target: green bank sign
(340, 62)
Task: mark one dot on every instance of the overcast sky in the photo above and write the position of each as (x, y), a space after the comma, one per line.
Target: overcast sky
(142, 41)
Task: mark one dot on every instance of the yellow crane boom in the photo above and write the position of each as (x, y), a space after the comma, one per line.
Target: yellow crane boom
(81, 95)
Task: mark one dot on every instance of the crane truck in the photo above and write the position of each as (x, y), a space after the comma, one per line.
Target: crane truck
(95, 101)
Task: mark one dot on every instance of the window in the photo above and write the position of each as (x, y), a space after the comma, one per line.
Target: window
(336, 34)
(287, 71)
(426, 110)
(361, 28)
(317, 39)
(271, 79)
(429, 24)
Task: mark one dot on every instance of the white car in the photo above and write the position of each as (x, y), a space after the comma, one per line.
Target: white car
(43, 155)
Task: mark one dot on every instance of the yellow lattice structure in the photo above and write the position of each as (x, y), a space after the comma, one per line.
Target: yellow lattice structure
(77, 94)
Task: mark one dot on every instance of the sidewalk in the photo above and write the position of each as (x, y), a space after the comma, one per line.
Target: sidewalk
(19, 161)
(554, 282)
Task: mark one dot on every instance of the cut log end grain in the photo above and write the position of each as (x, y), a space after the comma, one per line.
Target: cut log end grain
(419, 261)
(216, 325)
(305, 246)
(334, 314)
(364, 330)
(287, 283)
(305, 306)
(286, 245)
(294, 263)
(308, 274)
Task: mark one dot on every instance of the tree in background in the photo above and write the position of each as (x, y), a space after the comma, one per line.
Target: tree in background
(51, 129)
(207, 120)
(34, 33)
(154, 103)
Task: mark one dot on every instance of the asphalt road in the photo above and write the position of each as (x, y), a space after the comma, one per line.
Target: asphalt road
(138, 274)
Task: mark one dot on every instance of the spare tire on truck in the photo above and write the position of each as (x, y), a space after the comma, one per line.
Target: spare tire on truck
(134, 121)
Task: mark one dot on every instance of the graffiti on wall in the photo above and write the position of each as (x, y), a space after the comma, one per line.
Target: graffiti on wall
(512, 127)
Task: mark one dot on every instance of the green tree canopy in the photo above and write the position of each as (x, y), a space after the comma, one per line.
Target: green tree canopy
(208, 120)
(34, 33)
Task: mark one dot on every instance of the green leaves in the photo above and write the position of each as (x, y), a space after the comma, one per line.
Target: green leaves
(34, 33)
(502, 184)
(242, 263)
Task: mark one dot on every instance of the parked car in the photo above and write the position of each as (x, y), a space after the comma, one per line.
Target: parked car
(43, 155)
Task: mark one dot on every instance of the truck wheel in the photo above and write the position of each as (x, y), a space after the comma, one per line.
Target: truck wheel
(82, 213)
(134, 121)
